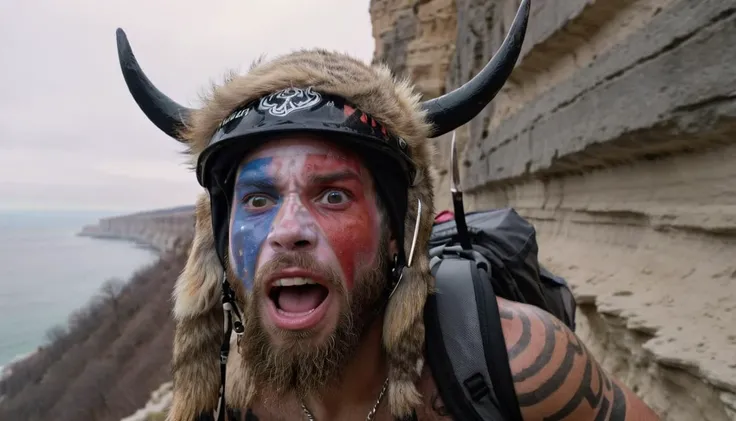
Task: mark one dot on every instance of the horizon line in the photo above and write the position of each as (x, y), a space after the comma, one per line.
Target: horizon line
(90, 209)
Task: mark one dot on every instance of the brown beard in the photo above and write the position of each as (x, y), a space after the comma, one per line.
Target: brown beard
(298, 365)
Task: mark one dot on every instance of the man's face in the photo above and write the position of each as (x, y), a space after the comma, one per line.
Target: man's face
(311, 248)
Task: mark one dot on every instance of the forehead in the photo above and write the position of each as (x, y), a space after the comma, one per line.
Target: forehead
(331, 155)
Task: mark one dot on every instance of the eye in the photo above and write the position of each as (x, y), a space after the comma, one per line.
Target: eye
(257, 201)
(334, 197)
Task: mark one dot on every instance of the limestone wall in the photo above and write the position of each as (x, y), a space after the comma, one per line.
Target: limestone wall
(616, 136)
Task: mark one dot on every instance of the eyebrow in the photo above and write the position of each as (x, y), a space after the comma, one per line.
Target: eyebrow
(249, 179)
(333, 177)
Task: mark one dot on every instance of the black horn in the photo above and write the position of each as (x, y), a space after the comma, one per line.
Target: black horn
(456, 108)
(166, 114)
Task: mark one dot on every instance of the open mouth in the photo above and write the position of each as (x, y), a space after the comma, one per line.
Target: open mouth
(297, 302)
(297, 295)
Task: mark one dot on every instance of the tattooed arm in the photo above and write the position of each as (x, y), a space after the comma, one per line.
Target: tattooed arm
(556, 378)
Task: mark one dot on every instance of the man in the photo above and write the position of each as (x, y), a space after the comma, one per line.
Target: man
(318, 173)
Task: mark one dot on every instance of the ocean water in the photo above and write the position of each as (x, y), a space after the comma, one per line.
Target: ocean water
(46, 272)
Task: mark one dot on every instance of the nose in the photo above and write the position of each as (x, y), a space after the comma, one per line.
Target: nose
(294, 231)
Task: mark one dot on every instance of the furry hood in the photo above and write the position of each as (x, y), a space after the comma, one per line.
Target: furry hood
(393, 103)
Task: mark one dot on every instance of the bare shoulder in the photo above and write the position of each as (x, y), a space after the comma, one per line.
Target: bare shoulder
(433, 408)
(555, 376)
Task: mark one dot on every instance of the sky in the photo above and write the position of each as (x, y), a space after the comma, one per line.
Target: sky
(72, 137)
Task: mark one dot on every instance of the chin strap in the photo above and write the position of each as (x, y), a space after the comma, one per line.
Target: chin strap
(230, 310)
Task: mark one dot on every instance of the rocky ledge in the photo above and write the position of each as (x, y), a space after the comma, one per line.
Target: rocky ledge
(165, 230)
(616, 137)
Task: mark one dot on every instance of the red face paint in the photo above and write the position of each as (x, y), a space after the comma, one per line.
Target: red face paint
(323, 197)
(350, 228)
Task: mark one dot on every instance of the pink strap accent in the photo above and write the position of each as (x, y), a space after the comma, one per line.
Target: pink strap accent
(444, 216)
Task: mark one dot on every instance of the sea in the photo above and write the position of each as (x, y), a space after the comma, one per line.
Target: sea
(47, 271)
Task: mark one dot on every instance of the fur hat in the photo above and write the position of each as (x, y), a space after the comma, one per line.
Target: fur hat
(373, 90)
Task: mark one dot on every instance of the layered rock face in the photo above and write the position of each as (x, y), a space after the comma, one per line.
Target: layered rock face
(616, 137)
(167, 230)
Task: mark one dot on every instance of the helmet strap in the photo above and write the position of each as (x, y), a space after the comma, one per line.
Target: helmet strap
(230, 310)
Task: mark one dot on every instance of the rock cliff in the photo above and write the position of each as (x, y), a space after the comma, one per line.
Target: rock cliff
(166, 230)
(616, 137)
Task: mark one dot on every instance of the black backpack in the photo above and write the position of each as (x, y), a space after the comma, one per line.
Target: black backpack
(465, 344)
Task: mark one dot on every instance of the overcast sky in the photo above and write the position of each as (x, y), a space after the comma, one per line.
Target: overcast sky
(71, 136)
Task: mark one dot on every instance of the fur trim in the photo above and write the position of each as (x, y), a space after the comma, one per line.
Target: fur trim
(392, 102)
(199, 287)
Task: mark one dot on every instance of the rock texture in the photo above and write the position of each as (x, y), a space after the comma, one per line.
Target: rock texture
(616, 136)
(412, 36)
(166, 230)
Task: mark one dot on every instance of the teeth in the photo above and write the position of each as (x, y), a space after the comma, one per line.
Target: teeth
(292, 282)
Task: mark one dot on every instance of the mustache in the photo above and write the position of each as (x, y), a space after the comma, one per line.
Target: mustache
(299, 260)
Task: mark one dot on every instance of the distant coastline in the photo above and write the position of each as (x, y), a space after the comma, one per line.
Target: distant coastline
(158, 231)
(72, 271)
(161, 230)
(93, 231)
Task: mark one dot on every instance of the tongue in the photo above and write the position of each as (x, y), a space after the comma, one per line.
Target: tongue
(300, 299)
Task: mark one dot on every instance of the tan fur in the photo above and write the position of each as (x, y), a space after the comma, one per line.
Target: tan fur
(392, 102)
(198, 288)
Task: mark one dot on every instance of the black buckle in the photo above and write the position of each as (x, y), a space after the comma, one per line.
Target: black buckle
(477, 387)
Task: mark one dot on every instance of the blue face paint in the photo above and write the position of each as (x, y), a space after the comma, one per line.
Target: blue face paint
(248, 228)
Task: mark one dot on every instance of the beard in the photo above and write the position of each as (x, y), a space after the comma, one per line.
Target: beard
(298, 364)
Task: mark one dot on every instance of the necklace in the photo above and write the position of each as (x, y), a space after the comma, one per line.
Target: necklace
(370, 415)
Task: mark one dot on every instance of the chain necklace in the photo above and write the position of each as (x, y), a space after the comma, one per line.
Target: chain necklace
(371, 414)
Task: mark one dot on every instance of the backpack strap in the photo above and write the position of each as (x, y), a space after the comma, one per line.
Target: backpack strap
(465, 345)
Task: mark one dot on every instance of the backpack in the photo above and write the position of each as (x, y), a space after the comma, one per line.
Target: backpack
(463, 326)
